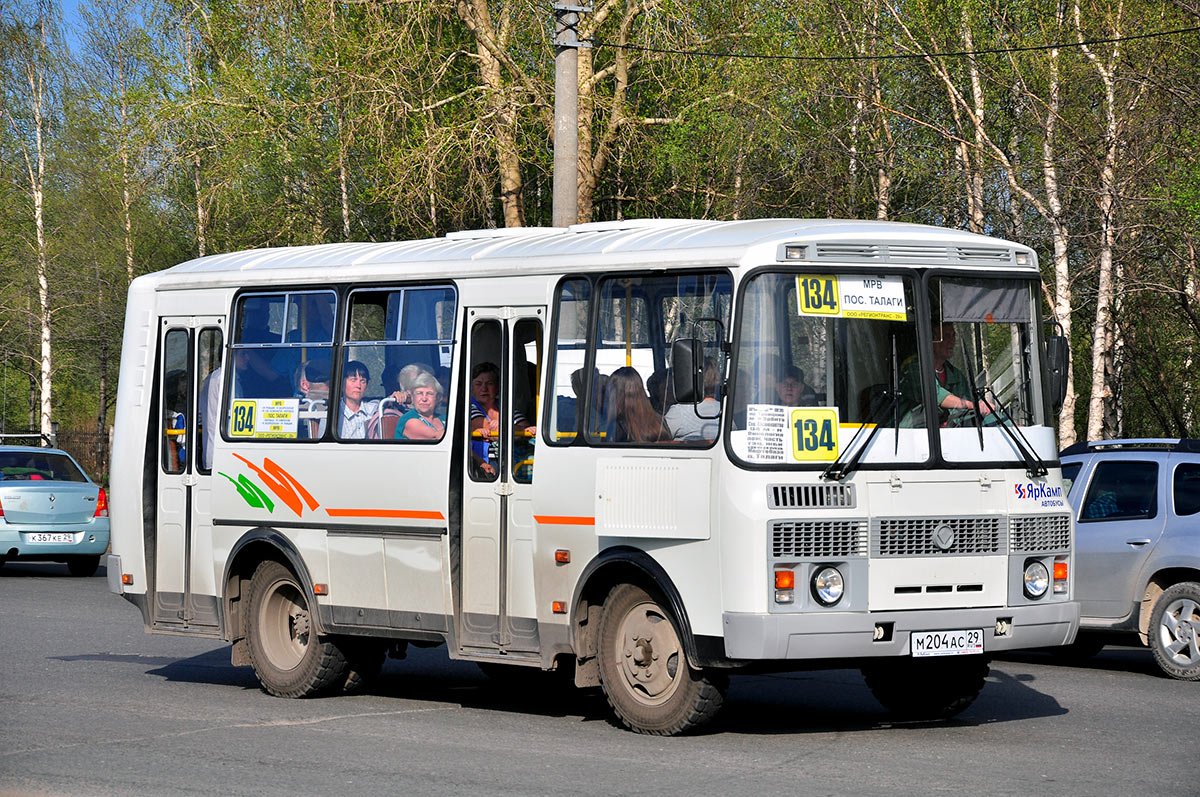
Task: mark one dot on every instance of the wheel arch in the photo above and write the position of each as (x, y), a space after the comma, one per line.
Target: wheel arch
(253, 548)
(613, 566)
(1163, 579)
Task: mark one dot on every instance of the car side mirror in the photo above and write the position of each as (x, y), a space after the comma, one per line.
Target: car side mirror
(687, 369)
(1058, 358)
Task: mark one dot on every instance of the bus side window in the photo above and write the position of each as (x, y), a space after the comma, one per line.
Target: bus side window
(527, 366)
(567, 381)
(282, 350)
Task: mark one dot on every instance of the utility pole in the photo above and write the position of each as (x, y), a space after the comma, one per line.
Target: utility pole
(566, 114)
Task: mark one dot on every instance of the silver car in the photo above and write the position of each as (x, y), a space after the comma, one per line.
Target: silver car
(1137, 546)
(50, 510)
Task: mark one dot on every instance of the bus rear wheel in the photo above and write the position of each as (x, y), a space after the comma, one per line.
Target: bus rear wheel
(926, 689)
(644, 670)
(288, 657)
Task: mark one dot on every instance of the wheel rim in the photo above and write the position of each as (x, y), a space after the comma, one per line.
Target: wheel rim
(285, 625)
(649, 654)
(1177, 633)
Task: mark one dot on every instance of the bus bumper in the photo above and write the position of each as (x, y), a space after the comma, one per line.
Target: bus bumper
(853, 635)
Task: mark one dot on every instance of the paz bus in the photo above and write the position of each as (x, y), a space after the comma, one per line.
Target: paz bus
(652, 453)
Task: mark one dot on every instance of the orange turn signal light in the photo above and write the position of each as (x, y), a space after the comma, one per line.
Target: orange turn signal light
(127, 579)
(785, 579)
(562, 556)
(558, 607)
(320, 589)
(1060, 571)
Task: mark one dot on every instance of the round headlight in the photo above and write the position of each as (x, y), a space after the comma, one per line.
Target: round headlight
(1037, 579)
(827, 586)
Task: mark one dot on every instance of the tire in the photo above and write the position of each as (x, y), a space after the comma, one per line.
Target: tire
(288, 657)
(83, 566)
(1175, 631)
(926, 689)
(644, 670)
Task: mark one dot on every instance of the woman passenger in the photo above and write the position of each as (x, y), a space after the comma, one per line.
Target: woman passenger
(422, 422)
(484, 417)
(628, 415)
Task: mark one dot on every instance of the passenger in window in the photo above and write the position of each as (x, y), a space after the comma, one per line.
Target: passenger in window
(254, 376)
(793, 391)
(355, 412)
(484, 417)
(423, 422)
(312, 382)
(628, 415)
(208, 405)
(698, 421)
(658, 385)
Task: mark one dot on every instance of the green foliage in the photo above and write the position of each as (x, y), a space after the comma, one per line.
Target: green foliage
(219, 125)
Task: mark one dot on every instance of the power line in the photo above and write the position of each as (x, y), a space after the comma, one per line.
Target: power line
(894, 56)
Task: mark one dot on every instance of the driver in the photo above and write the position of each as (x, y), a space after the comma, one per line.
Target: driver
(951, 383)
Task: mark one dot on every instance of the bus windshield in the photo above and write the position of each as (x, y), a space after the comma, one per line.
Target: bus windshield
(834, 365)
(986, 353)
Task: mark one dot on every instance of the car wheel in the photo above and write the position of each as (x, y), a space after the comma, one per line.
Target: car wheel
(644, 670)
(83, 566)
(288, 657)
(1175, 631)
(926, 689)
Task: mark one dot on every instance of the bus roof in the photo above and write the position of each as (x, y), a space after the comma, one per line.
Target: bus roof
(636, 243)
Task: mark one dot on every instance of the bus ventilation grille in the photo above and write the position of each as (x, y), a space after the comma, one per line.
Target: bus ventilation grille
(818, 539)
(1040, 533)
(921, 536)
(810, 496)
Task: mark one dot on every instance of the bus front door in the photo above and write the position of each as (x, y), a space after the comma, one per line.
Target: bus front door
(496, 609)
(184, 589)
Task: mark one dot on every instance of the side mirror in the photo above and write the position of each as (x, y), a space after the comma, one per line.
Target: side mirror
(1058, 357)
(687, 369)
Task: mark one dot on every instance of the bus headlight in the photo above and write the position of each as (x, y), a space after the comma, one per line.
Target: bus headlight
(1037, 579)
(827, 586)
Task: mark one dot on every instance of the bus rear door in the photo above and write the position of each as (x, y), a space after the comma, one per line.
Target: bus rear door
(190, 350)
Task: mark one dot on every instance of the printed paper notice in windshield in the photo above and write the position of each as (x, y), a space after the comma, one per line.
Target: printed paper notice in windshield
(851, 296)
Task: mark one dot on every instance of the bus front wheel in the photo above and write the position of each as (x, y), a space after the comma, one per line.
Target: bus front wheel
(288, 657)
(926, 688)
(644, 670)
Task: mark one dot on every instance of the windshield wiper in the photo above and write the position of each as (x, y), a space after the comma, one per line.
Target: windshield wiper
(1034, 465)
(838, 469)
(972, 385)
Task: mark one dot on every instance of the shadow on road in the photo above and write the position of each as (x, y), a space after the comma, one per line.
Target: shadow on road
(21, 569)
(1114, 658)
(804, 702)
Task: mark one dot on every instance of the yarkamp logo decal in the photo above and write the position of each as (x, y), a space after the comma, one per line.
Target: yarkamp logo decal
(1048, 495)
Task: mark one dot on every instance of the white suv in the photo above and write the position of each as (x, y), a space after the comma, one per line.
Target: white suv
(1137, 546)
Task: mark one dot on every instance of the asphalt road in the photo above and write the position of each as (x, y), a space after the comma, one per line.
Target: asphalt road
(90, 704)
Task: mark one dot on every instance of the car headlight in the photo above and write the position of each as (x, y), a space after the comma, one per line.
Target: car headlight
(827, 586)
(1037, 579)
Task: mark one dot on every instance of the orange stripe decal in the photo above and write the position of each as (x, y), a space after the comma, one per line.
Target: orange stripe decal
(565, 520)
(406, 514)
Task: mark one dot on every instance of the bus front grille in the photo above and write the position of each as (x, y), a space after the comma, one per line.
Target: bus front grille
(810, 496)
(818, 539)
(952, 536)
(1038, 533)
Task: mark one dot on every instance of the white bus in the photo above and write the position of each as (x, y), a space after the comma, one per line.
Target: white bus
(652, 452)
